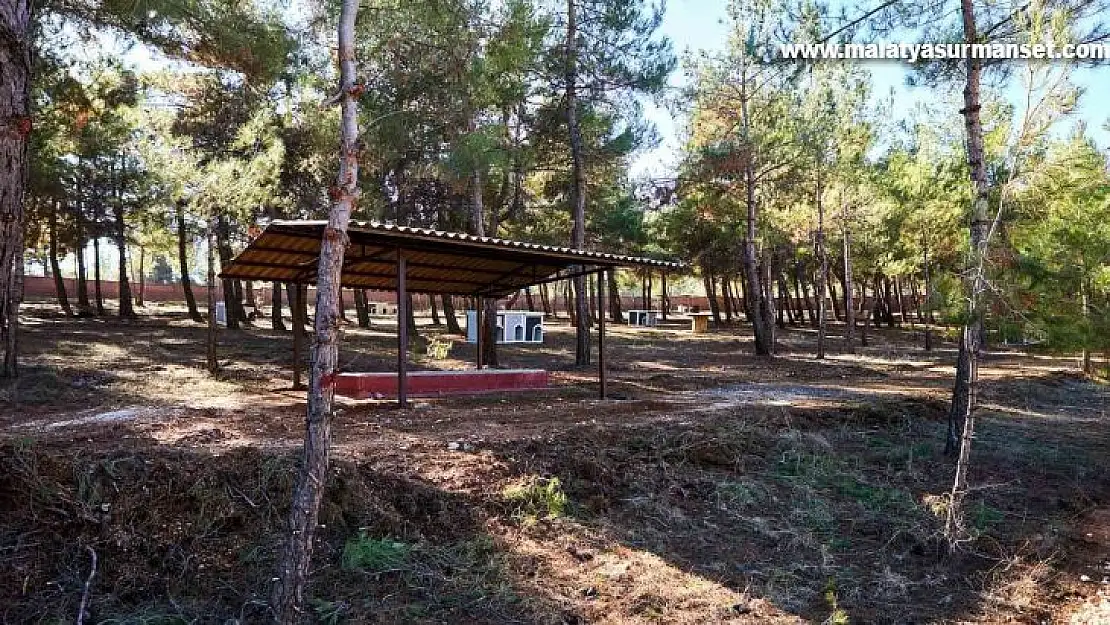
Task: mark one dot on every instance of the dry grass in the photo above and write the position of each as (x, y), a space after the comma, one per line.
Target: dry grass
(719, 489)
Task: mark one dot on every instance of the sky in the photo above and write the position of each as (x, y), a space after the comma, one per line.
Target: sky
(696, 25)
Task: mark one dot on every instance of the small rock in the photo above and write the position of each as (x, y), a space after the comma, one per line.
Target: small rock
(1084, 578)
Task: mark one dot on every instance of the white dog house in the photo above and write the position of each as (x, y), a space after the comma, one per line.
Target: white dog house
(381, 308)
(513, 326)
(647, 318)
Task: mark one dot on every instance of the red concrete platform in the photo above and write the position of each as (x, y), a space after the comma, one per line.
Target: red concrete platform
(380, 385)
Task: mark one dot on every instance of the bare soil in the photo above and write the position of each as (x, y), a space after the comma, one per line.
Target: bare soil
(715, 486)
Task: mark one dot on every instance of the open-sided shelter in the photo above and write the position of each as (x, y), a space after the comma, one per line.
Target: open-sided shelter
(407, 260)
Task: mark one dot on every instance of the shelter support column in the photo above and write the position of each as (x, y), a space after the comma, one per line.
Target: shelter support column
(479, 305)
(663, 305)
(602, 283)
(296, 311)
(402, 331)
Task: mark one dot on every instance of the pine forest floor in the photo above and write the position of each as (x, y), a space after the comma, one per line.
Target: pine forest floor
(714, 487)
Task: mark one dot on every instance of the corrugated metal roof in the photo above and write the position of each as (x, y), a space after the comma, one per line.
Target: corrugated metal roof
(438, 262)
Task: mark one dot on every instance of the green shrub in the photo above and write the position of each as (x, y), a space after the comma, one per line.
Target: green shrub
(536, 498)
(984, 516)
(329, 612)
(374, 555)
(439, 349)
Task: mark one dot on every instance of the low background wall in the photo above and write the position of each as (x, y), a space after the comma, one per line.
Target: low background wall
(42, 288)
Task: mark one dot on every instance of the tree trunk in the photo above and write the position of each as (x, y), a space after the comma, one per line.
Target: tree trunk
(786, 304)
(711, 295)
(183, 259)
(210, 352)
(591, 301)
(849, 303)
(297, 294)
(878, 310)
(803, 307)
(545, 301)
(763, 317)
(232, 303)
(288, 596)
(726, 299)
(410, 318)
(488, 305)
(1085, 304)
(793, 308)
(915, 297)
(901, 300)
(745, 301)
(140, 300)
(15, 116)
(664, 297)
(928, 295)
(823, 271)
(489, 332)
(513, 300)
(769, 298)
(96, 277)
(961, 412)
(449, 316)
(240, 298)
(830, 284)
(436, 322)
(276, 321)
(572, 312)
(578, 187)
(784, 307)
(865, 310)
(615, 312)
(126, 310)
(84, 309)
(362, 308)
(888, 295)
(737, 299)
(738, 304)
(59, 282)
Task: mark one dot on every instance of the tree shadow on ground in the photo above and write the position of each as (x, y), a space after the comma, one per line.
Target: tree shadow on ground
(748, 511)
(185, 536)
(754, 513)
(836, 508)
